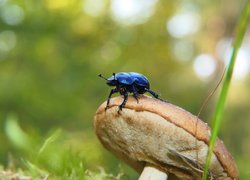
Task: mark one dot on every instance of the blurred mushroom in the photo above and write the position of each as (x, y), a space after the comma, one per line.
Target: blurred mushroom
(161, 140)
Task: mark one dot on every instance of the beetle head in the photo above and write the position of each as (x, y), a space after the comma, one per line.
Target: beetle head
(110, 81)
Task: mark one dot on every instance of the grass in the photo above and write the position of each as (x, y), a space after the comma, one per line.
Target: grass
(217, 117)
(59, 155)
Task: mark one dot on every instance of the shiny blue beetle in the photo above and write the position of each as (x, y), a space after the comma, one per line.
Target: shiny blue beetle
(128, 82)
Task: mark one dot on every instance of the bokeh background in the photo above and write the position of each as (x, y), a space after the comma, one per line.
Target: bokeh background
(51, 52)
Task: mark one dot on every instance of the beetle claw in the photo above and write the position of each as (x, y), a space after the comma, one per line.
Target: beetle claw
(120, 109)
(106, 108)
(136, 97)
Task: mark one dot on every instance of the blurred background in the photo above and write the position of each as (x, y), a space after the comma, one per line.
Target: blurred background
(51, 52)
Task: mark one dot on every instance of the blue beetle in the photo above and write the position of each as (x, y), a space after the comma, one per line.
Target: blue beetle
(128, 82)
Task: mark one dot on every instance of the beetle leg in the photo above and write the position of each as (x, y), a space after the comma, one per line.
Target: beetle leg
(155, 95)
(152, 93)
(135, 94)
(125, 94)
(110, 94)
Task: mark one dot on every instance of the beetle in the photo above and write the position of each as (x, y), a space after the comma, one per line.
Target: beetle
(128, 82)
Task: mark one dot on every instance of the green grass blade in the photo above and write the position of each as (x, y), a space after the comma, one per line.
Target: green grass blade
(49, 140)
(217, 117)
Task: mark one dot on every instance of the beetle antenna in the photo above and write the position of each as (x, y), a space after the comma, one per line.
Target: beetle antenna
(100, 75)
(114, 76)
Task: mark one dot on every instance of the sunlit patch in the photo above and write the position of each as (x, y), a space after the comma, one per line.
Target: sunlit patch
(131, 12)
(242, 64)
(183, 51)
(94, 7)
(12, 14)
(83, 26)
(204, 65)
(7, 41)
(222, 47)
(183, 24)
(58, 4)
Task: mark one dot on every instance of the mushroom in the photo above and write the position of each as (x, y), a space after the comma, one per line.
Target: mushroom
(161, 140)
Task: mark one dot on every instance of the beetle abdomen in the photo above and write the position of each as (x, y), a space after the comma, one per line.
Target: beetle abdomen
(139, 79)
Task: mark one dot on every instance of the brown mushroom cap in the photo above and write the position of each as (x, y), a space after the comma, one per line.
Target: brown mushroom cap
(163, 135)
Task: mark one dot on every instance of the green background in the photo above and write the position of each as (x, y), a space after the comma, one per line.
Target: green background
(52, 51)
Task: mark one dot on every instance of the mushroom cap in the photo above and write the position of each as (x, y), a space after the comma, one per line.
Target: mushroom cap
(163, 135)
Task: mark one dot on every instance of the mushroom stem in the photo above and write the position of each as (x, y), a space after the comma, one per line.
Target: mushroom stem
(152, 173)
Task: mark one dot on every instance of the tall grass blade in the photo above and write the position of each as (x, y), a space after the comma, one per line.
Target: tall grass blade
(217, 117)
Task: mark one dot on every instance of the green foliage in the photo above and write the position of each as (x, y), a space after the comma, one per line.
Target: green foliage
(55, 158)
